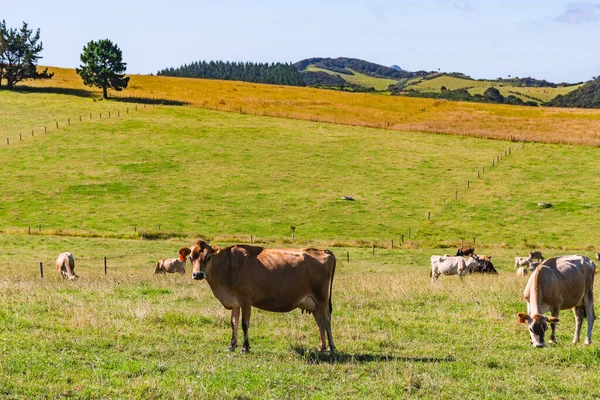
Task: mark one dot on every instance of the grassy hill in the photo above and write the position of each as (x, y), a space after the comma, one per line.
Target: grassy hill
(196, 171)
(94, 185)
(538, 94)
(357, 109)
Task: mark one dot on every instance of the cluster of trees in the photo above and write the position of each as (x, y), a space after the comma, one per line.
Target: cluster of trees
(587, 96)
(20, 50)
(491, 95)
(275, 73)
(19, 54)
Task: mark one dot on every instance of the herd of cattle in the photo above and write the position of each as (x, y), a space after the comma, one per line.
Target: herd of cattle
(281, 280)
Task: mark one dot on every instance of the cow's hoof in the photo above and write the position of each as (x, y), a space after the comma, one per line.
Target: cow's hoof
(587, 341)
(245, 350)
(231, 347)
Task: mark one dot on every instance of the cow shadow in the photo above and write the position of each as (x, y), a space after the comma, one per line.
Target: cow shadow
(312, 356)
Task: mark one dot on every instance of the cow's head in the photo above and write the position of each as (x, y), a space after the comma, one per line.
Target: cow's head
(538, 325)
(184, 252)
(200, 257)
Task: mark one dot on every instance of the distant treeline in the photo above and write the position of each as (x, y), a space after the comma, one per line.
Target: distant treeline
(275, 73)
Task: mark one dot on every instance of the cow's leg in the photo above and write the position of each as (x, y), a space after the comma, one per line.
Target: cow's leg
(235, 322)
(554, 313)
(591, 316)
(328, 329)
(578, 312)
(320, 320)
(246, 310)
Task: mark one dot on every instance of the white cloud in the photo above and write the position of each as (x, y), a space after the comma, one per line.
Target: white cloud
(580, 13)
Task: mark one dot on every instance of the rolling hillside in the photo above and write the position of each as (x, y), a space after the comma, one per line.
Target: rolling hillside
(178, 159)
(111, 175)
(397, 113)
(363, 75)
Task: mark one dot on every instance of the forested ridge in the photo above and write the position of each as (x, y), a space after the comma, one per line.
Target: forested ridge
(274, 73)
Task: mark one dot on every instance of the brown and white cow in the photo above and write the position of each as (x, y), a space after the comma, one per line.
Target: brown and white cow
(172, 265)
(557, 284)
(279, 280)
(65, 264)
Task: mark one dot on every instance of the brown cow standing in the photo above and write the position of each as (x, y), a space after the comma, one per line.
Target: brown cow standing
(558, 284)
(465, 251)
(65, 264)
(172, 265)
(278, 280)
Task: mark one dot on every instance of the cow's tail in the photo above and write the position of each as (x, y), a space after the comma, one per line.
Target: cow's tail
(331, 283)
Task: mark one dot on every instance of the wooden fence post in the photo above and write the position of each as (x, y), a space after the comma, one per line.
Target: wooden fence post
(41, 270)
(104, 265)
(347, 256)
(373, 248)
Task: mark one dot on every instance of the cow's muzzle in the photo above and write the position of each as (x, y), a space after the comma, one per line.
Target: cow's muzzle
(198, 275)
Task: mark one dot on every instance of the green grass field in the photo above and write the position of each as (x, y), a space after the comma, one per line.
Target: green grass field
(227, 176)
(129, 334)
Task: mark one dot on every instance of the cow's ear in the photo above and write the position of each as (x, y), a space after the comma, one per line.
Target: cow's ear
(552, 320)
(184, 251)
(523, 317)
(216, 249)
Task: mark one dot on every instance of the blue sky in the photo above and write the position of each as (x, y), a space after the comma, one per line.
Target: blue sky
(545, 39)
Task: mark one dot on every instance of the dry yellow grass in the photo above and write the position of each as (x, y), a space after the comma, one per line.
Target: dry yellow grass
(553, 125)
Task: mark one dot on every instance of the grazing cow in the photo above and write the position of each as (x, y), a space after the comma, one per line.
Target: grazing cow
(65, 264)
(452, 266)
(536, 255)
(522, 261)
(521, 272)
(465, 251)
(484, 266)
(557, 284)
(172, 265)
(279, 280)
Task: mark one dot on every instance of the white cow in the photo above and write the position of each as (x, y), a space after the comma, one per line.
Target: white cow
(522, 261)
(65, 264)
(452, 266)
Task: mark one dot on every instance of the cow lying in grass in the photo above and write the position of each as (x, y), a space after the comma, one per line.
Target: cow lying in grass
(558, 284)
(172, 265)
(65, 264)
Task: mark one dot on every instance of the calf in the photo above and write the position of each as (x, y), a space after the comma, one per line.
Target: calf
(558, 284)
(65, 264)
(172, 265)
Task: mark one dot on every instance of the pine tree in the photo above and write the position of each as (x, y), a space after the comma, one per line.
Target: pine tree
(19, 55)
(103, 66)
